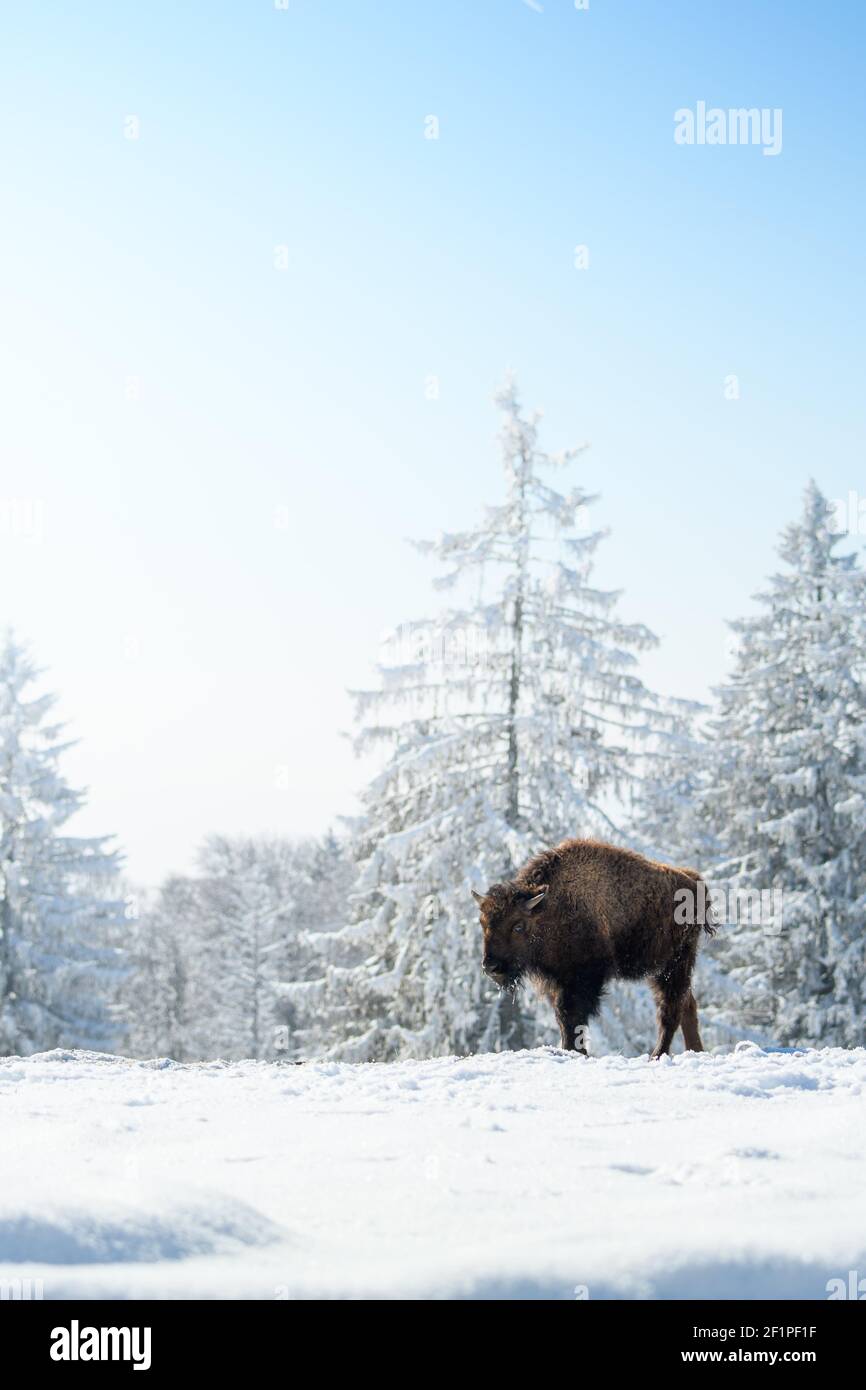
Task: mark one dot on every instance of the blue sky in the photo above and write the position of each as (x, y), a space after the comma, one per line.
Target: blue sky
(225, 459)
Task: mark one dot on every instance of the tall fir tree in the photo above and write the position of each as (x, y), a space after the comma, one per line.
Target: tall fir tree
(58, 970)
(211, 953)
(789, 800)
(669, 817)
(324, 875)
(245, 914)
(510, 720)
(165, 1006)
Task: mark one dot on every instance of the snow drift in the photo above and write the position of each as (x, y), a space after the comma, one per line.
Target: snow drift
(530, 1174)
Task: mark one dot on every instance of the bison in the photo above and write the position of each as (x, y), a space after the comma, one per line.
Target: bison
(584, 913)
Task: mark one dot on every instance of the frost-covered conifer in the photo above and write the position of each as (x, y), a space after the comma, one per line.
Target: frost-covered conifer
(509, 720)
(789, 801)
(58, 915)
(212, 952)
(166, 1005)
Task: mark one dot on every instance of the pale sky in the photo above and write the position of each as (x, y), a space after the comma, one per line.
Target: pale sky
(211, 464)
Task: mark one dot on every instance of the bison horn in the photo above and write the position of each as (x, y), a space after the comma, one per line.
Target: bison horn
(539, 897)
(479, 897)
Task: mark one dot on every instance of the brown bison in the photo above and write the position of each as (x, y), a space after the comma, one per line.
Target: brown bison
(583, 913)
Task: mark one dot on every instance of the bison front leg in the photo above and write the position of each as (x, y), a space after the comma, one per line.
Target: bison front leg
(574, 1005)
(572, 1029)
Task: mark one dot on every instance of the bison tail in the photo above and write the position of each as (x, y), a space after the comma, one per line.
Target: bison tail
(709, 924)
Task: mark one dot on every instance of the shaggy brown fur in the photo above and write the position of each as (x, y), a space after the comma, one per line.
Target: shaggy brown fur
(583, 913)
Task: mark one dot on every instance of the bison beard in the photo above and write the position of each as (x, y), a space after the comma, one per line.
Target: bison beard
(584, 913)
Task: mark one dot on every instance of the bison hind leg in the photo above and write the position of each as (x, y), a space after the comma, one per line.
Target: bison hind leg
(689, 1024)
(672, 990)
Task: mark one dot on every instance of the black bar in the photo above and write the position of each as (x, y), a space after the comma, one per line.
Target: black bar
(232, 1339)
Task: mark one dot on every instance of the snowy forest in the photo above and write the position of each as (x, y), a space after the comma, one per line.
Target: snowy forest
(511, 717)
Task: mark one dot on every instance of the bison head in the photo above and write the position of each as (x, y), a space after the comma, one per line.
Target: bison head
(506, 920)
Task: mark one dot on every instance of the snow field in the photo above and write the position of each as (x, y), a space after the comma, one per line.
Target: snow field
(531, 1174)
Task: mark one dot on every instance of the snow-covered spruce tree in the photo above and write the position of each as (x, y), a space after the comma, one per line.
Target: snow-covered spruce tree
(165, 1004)
(57, 972)
(322, 878)
(790, 794)
(245, 917)
(210, 952)
(511, 721)
(669, 817)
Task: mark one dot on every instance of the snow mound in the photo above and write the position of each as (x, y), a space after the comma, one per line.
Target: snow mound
(113, 1232)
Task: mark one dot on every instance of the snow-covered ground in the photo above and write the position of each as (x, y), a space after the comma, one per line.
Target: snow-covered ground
(514, 1175)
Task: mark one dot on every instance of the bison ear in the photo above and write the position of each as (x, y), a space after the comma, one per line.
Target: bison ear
(479, 897)
(538, 897)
